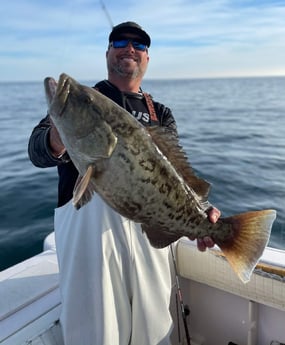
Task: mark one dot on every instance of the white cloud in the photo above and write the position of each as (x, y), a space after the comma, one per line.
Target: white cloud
(190, 38)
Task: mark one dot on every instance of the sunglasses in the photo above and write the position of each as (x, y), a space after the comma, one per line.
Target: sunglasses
(124, 43)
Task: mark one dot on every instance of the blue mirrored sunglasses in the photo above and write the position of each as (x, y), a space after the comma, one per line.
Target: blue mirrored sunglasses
(124, 43)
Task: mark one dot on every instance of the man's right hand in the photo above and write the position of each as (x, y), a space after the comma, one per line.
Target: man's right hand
(56, 145)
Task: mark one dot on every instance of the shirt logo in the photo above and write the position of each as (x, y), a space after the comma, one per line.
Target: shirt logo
(140, 116)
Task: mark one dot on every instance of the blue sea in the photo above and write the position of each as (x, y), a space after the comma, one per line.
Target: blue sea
(233, 131)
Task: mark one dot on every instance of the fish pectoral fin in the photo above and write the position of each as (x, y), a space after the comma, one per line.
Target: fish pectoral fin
(84, 188)
(159, 237)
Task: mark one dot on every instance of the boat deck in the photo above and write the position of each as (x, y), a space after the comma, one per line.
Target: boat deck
(222, 309)
(30, 302)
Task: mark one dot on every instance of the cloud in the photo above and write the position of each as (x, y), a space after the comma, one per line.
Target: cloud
(189, 38)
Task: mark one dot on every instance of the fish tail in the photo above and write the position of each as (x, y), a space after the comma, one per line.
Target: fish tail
(251, 235)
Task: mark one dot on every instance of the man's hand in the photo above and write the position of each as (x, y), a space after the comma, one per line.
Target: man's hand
(56, 144)
(207, 242)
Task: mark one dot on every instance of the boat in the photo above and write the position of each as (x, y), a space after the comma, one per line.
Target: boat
(222, 310)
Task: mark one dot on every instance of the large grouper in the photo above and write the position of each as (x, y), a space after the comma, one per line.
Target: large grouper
(144, 175)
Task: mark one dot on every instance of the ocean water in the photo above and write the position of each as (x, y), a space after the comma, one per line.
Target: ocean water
(231, 129)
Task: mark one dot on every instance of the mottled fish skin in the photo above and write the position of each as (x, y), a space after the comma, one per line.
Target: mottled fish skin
(130, 165)
(143, 174)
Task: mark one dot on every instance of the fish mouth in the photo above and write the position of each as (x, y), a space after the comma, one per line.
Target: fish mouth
(57, 93)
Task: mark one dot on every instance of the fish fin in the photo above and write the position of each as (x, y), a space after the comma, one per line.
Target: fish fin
(168, 144)
(83, 189)
(159, 238)
(251, 235)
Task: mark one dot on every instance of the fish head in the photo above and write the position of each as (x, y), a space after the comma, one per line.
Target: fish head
(78, 112)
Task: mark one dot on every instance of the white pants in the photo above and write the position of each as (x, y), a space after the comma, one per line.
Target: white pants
(115, 286)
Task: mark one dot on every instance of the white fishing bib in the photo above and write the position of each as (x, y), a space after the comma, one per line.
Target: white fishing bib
(115, 286)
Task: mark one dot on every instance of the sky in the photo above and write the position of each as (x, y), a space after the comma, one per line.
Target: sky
(190, 38)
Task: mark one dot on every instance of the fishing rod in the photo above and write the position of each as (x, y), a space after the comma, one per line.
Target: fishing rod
(179, 295)
(104, 8)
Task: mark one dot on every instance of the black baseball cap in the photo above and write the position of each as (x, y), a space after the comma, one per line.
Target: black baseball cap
(127, 28)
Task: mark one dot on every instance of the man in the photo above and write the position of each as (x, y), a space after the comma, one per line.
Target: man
(115, 286)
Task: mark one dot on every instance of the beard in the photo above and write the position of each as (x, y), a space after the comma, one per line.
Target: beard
(125, 70)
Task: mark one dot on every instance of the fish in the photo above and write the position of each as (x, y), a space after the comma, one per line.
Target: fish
(144, 174)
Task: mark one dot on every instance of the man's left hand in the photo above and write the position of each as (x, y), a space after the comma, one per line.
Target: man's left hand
(207, 242)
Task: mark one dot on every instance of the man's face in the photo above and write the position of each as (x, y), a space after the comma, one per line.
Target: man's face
(127, 62)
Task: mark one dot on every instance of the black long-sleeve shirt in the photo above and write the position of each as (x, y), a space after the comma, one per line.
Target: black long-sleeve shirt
(40, 152)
